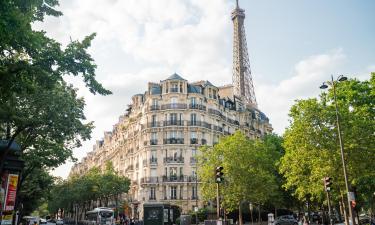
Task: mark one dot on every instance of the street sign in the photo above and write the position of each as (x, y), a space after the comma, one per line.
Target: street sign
(351, 196)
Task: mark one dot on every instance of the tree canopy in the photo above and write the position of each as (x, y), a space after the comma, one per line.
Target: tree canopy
(312, 146)
(39, 109)
(83, 190)
(249, 170)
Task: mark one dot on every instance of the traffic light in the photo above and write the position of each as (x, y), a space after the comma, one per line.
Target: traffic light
(219, 174)
(327, 183)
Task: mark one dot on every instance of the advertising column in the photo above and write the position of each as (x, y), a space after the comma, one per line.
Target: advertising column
(9, 201)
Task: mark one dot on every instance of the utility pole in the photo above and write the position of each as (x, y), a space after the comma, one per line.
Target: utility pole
(217, 201)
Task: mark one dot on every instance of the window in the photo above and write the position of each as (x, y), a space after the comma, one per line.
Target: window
(154, 102)
(173, 171)
(173, 118)
(173, 100)
(174, 88)
(154, 136)
(193, 135)
(153, 156)
(174, 192)
(152, 193)
(193, 101)
(153, 120)
(193, 119)
(193, 152)
(165, 192)
(173, 134)
(193, 192)
(181, 171)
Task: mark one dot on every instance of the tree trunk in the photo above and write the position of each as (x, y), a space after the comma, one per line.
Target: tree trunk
(259, 217)
(240, 222)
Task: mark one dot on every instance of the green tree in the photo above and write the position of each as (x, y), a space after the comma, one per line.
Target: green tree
(249, 167)
(312, 147)
(39, 110)
(95, 186)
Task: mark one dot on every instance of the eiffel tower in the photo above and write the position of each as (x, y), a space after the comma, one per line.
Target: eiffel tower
(242, 79)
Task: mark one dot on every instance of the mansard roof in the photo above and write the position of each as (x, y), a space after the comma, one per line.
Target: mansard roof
(156, 90)
(175, 76)
(194, 89)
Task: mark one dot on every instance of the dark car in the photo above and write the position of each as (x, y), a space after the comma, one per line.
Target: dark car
(286, 220)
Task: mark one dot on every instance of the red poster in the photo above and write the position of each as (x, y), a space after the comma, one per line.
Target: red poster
(11, 192)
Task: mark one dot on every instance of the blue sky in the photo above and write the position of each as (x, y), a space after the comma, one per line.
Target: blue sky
(283, 32)
(294, 45)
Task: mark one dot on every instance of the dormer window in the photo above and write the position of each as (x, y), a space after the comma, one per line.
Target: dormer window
(174, 88)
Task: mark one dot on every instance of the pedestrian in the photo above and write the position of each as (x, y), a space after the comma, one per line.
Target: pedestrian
(305, 222)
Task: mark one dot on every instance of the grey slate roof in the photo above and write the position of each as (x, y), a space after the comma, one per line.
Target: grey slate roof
(175, 76)
(156, 90)
(194, 89)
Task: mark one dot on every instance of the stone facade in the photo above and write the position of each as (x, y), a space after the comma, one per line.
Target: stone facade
(155, 142)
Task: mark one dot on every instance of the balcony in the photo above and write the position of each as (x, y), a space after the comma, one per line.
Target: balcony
(174, 106)
(197, 106)
(153, 142)
(173, 123)
(150, 180)
(193, 141)
(174, 159)
(174, 178)
(214, 112)
(153, 124)
(217, 128)
(154, 107)
(227, 133)
(206, 125)
(170, 141)
(203, 141)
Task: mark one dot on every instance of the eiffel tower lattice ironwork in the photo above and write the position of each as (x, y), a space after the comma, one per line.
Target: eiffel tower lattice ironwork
(242, 79)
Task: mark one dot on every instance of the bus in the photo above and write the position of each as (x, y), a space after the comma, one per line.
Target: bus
(100, 216)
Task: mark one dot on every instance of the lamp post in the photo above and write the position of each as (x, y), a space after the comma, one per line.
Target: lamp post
(196, 191)
(332, 83)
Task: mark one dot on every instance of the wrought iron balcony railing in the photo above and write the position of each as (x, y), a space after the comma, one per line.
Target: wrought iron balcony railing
(154, 107)
(174, 141)
(153, 142)
(174, 106)
(173, 123)
(197, 106)
(171, 159)
(193, 141)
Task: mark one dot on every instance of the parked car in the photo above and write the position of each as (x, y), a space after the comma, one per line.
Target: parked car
(59, 222)
(286, 220)
(42, 221)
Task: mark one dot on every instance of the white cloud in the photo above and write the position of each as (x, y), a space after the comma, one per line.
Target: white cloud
(276, 100)
(146, 40)
(140, 41)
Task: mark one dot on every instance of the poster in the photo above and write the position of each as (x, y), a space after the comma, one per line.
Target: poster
(11, 192)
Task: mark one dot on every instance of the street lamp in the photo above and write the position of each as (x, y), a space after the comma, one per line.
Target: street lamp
(332, 83)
